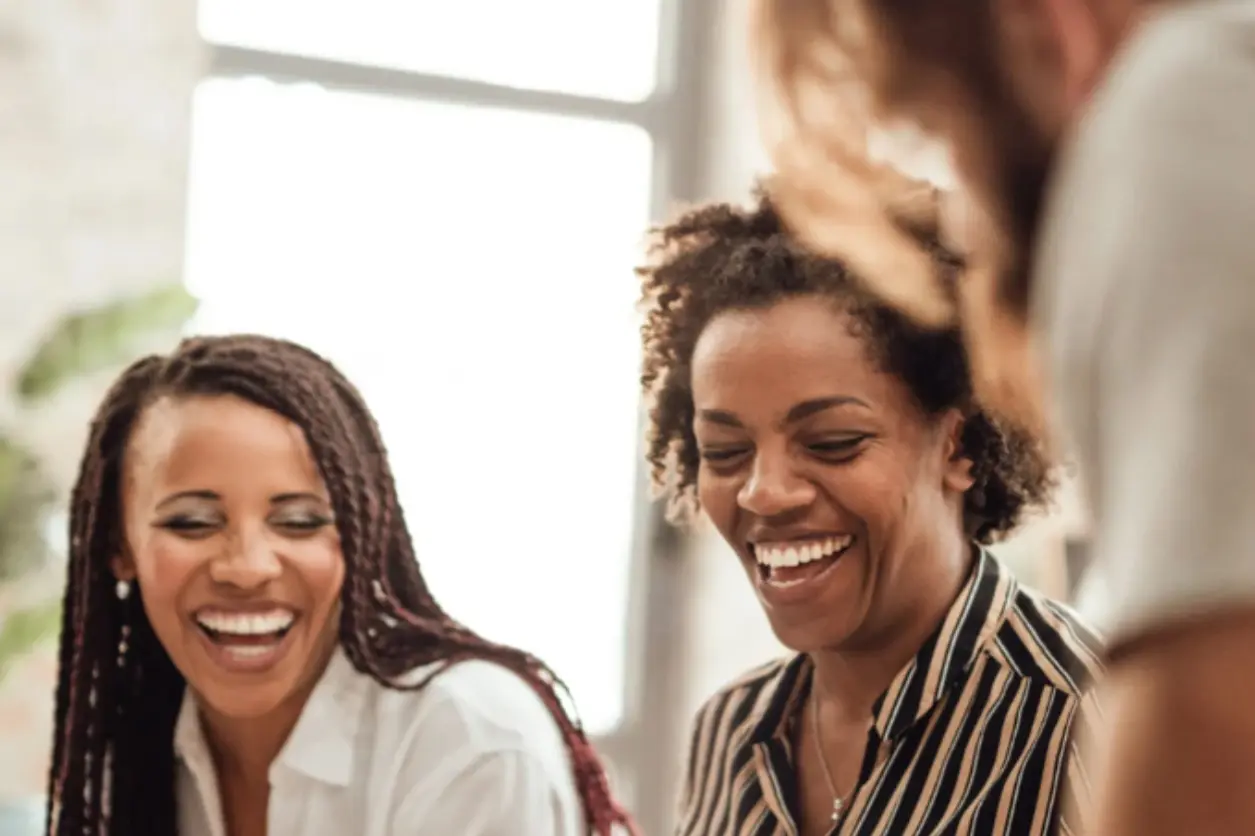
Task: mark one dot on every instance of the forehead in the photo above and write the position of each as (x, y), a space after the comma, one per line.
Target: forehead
(216, 441)
(768, 360)
(796, 337)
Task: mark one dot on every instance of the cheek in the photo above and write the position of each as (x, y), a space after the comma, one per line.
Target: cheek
(320, 565)
(870, 487)
(165, 566)
(717, 496)
(878, 490)
(166, 569)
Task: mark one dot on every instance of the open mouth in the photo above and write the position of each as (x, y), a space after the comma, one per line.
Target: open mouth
(793, 562)
(246, 635)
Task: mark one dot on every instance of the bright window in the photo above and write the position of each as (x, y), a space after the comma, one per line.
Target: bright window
(470, 270)
(602, 48)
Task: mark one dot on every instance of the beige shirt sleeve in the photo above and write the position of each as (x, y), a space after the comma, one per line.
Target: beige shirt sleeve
(1146, 287)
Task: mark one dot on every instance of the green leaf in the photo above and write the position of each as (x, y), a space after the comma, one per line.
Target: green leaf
(26, 496)
(102, 338)
(15, 463)
(24, 631)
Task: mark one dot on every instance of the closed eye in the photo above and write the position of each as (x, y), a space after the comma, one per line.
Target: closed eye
(305, 525)
(722, 455)
(838, 448)
(188, 526)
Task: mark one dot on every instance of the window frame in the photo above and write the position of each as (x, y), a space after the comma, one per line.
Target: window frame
(644, 749)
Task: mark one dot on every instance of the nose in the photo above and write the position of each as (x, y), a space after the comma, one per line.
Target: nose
(774, 488)
(249, 562)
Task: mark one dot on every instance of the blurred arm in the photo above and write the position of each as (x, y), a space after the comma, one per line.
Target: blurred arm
(1180, 748)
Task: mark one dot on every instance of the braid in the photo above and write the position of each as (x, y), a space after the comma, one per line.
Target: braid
(94, 659)
(119, 695)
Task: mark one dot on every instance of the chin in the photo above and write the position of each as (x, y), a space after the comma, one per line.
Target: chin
(812, 638)
(244, 679)
(243, 702)
(821, 610)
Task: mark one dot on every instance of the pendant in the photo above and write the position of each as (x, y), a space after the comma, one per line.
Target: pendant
(836, 808)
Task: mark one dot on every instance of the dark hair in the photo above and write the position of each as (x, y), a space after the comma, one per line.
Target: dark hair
(721, 257)
(118, 693)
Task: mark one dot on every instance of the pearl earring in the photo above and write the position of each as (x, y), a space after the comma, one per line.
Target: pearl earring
(123, 590)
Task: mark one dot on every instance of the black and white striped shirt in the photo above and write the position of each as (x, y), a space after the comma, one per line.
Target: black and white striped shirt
(975, 737)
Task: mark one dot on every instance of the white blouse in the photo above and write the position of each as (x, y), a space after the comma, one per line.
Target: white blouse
(475, 753)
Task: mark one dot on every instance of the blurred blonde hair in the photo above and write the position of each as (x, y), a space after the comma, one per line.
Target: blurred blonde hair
(835, 70)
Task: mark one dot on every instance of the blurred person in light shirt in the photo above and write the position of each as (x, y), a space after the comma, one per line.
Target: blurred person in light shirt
(1104, 152)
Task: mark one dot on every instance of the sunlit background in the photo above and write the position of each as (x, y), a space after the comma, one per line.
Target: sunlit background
(446, 199)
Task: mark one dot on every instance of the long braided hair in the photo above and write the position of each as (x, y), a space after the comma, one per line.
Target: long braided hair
(118, 693)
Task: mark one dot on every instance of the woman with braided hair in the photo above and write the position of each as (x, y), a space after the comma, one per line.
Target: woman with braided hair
(248, 645)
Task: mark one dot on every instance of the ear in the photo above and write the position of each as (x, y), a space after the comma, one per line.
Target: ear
(123, 567)
(956, 471)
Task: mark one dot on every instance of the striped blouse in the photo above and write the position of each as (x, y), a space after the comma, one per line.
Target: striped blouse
(974, 737)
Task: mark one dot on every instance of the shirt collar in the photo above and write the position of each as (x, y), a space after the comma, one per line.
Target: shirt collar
(942, 661)
(320, 745)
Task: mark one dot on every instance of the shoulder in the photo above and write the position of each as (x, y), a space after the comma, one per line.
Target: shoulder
(1172, 121)
(739, 703)
(496, 707)
(1045, 641)
(1160, 139)
(1177, 49)
(474, 707)
(473, 741)
(749, 686)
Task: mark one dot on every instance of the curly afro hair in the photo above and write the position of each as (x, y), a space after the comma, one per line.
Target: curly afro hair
(722, 257)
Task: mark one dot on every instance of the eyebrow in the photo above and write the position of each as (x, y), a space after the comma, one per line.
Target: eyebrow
(805, 409)
(213, 496)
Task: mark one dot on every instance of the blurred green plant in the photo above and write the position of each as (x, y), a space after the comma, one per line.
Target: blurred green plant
(79, 344)
(25, 630)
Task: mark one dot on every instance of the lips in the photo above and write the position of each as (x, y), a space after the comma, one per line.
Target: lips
(245, 641)
(793, 571)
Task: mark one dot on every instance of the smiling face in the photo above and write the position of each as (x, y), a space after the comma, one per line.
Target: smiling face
(841, 497)
(230, 538)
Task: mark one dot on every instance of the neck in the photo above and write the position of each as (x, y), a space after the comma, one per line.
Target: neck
(244, 748)
(853, 677)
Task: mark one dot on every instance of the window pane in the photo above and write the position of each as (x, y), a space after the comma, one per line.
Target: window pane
(469, 269)
(605, 48)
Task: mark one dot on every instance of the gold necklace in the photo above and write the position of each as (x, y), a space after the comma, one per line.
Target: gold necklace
(838, 803)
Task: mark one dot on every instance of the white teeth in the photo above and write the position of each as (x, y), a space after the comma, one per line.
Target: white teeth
(246, 624)
(795, 554)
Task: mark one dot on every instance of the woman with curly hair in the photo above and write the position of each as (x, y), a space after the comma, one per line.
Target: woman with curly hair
(249, 645)
(839, 450)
